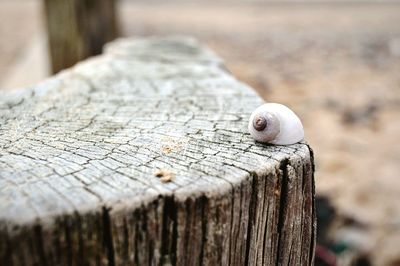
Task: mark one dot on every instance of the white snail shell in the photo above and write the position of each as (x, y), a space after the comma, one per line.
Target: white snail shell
(276, 124)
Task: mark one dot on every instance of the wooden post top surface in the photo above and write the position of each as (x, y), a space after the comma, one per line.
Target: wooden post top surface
(94, 136)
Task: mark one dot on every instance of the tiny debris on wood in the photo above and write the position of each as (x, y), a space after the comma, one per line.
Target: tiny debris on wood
(165, 175)
(170, 144)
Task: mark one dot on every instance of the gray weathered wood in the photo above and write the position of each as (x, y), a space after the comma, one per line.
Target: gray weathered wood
(78, 29)
(79, 153)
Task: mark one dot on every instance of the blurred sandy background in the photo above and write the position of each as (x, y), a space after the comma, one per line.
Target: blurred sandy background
(337, 64)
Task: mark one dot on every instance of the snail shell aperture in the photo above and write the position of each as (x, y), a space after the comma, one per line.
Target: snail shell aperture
(276, 124)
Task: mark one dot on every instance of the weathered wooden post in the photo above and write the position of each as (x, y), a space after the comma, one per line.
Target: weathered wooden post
(143, 157)
(78, 29)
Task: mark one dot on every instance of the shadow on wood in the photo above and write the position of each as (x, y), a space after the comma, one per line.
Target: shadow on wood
(82, 156)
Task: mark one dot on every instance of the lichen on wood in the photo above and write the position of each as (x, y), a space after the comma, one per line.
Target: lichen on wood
(79, 152)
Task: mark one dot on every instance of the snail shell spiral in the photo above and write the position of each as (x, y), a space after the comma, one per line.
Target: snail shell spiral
(276, 124)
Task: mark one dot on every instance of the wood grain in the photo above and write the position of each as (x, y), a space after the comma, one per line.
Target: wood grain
(79, 155)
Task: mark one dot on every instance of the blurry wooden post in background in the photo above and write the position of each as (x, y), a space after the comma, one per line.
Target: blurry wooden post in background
(78, 29)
